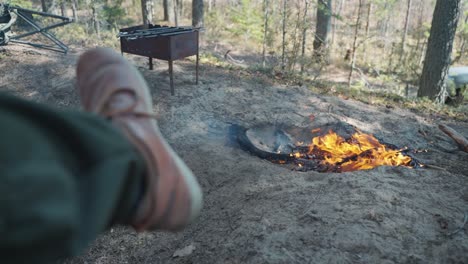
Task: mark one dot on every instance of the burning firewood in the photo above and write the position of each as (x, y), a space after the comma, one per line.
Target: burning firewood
(327, 150)
(461, 141)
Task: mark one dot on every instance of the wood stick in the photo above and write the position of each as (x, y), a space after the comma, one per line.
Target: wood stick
(434, 167)
(461, 141)
(465, 220)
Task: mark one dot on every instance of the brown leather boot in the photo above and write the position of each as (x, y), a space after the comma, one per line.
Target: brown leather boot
(110, 86)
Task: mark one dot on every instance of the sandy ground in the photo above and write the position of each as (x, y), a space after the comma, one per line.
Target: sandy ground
(259, 212)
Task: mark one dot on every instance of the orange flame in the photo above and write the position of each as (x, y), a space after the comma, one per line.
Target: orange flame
(361, 152)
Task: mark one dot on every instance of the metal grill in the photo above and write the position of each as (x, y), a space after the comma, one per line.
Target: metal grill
(161, 42)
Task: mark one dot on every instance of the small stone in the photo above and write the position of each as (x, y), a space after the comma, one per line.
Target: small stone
(186, 251)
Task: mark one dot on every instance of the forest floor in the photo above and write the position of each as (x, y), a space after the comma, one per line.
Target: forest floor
(259, 212)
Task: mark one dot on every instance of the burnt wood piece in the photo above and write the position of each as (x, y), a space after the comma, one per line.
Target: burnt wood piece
(315, 165)
(163, 43)
(461, 141)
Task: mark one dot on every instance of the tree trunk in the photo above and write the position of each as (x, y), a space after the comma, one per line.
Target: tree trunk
(390, 57)
(283, 44)
(461, 51)
(176, 12)
(96, 25)
(335, 21)
(166, 10)
(419, 26)
(180, 5)
(296, 43)
(169, 14)
(369, 11)
(384, 30)
(211, 4)
(304, 34)
(74, 10)
(48, 5)
(44, 5)
(63, 8)
(423, 52)
(405, 31)
(146, 12)
(150, 9)
(197, 13)
(356, 31)
(265, 30)
(52, 6)
(324, 14)
(439, 50)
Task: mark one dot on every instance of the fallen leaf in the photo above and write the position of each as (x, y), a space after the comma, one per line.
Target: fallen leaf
(184, 251)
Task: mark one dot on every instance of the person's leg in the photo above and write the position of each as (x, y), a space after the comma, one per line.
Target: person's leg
(64, 178)
(110, 86)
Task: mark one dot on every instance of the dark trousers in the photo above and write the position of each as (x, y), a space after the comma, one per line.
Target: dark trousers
(65, 176)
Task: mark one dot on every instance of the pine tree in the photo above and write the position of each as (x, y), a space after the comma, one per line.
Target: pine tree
(439, 50)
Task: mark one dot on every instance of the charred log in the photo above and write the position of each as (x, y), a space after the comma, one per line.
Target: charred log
(461, 141)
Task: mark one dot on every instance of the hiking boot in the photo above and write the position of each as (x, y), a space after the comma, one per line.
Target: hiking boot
(111, 87)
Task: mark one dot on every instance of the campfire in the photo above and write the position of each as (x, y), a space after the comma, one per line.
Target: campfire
(360, 152)
(326, 151)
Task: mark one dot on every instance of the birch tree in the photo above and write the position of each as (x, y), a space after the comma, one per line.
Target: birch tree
(356, 31)
(197, 13)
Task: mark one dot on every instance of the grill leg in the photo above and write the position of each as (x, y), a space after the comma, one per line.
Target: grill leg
(171, 77)
(150, 63)
(196, 68)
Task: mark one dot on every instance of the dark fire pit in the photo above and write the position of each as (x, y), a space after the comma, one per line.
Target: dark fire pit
(334, 147)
